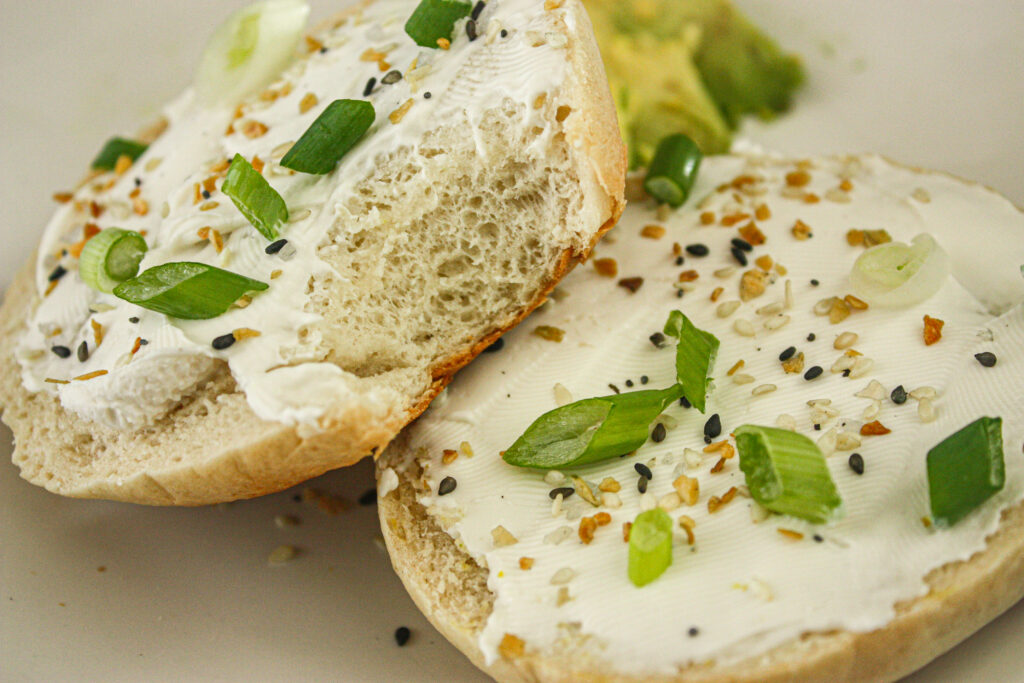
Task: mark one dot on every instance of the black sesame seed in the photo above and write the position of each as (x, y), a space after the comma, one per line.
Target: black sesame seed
(83, 351)
(742, 244)
(857, 463)
(899, 395)
(206, 194)
(713, 427)
(275, 247)
(986, 358)
(134, 320)
(740, 257)
(446, 486)
(679, 294)
(644, 379)
(641, 484)
(566, 491)
(61, 351)
(685, 402)
(788, 353)
(614, 388)
(813, 373)
(643, 470)
(369, 497)
(658, 339)
(138, 181)
(680, 260)
(369, 86)
(817, 427)
(471, 30)
(693, 632)
(427, 95)
(697, 250)
(658, 433)
(504, 33)
(391, 77)
(143, 342)
(846, 372)
(498, 345)
(815, 283)
(629, 382)
(818, 538)
(478, 8)
(323, 50)
(811, 337)
(402, 635)
(58, 273)
(224, 341)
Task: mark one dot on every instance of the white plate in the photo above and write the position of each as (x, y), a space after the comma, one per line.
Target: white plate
(187, 593)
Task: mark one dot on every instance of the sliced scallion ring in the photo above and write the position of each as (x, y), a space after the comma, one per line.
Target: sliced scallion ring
(650, 546)
(435, 19)
(896, 275)
(187, 290)
(111, 257)
(249, 50)
(673, 170)
(965, 470)
(255, 198)
(696, 352)
(114, 149)
(338, 128)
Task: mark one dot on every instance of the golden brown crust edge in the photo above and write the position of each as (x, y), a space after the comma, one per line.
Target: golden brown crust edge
(266, 457)
(962, 597)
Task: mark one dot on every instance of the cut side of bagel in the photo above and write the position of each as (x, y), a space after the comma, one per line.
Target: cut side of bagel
(492, 169)
(525, 570)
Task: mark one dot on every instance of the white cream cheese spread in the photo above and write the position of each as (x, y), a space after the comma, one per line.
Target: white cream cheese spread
(749, 581)
(136, 364)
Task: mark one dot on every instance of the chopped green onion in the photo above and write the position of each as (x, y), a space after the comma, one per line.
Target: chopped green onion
(434, 19)
(696, 351)
(111, 257)
(897, 275)
(673, 170)
(786, 473)
(650, 546)
(249, 50)
(114, 150)
(192, 291)
(590, 430)
(965, 470)
(255, 198)
(337, 130)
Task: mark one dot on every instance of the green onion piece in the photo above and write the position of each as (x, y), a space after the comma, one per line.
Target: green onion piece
(696, 351)
(255, 198)
(337, 130)
(965, 470)
(786, 473)
(673, 170)
(590, 430)
(650, 546)
(192, 291)
(114, 150)
(434, 19)
(111, 257)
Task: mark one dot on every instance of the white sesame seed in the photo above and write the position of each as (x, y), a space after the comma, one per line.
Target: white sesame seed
(559, 535)
(165, 210)
(761, 590)
(789, 295)
(285, 521)
(847, 441)
(923, 393)
(823, 306)
(763, 389)
(790, 192)
(785, 421)
(282, 554)
(874, 390)
(926, 410)
(300, 215)
(692, 458)
(556, 505)
(777, 322)
(562, 395)
(610, 499)
(861, 367)
(648, 502)
(667, 420)
(834, 194)
(553, 477)
(758, 513)
(770, 309)
(726, 308)
(827, 442)
(742, 378)
(725, 272)
(502, 537)
(843, 363)
(670, 501)
(562, 596)
(817, 402)
(845, 340)
(563, 576)
(744, 328)
(872, 411)
(921, 195)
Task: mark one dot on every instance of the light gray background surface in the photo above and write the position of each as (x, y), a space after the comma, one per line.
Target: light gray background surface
(186, 594)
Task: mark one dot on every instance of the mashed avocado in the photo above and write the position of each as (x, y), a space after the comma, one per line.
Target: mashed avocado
(688, 66)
